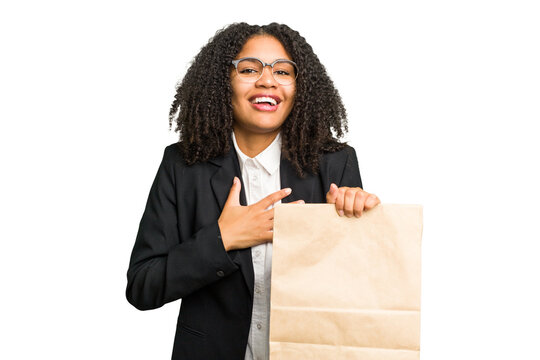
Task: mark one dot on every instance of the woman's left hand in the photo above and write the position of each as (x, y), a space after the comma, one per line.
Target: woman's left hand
(351, 201)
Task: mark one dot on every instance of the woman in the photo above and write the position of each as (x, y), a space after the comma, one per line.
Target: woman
(255, 111)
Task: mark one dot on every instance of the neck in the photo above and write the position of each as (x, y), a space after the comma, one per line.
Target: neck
(253, 144)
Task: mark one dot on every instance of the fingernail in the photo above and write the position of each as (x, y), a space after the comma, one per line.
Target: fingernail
(341, 212)
(301, 202)
(288, 191)
(235, 181)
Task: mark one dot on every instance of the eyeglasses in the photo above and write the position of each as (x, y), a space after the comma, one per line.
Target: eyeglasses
(250, 69)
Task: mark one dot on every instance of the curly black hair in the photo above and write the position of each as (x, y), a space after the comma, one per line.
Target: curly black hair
(203, 112)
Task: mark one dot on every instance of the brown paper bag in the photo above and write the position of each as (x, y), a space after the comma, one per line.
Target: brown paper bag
(346, 288)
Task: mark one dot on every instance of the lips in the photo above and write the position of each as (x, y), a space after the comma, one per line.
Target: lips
(265, 102)
(265, 98)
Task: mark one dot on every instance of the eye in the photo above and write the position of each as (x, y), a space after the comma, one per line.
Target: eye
(282, 72)
(284, 69)
(247, 71)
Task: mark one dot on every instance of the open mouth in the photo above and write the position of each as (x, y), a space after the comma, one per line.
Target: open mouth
(265, 103)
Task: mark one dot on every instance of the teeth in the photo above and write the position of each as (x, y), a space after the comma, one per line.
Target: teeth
(264, 99)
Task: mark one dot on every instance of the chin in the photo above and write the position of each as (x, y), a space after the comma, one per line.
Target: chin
(265, 125)
(264, 130)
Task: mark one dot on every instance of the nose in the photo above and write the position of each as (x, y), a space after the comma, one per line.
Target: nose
(267, 78)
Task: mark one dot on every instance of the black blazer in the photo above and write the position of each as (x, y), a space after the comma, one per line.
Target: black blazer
(178, 252)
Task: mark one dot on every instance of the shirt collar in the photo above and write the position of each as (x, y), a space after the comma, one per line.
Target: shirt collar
(269, 158)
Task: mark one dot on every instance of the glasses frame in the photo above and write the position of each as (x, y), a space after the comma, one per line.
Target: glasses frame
(264, 64)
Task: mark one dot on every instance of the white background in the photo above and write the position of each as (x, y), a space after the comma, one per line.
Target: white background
(443, 102)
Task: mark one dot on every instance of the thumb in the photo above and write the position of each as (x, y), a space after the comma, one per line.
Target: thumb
(332, 194)
(234, 194)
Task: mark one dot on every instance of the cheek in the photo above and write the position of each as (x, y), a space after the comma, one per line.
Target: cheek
(235, 90)
(291, 95)
(291, 92)
(234, 99)
(238, 92)
(236, 104)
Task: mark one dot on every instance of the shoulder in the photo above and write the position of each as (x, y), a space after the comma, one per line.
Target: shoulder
(173, 157)
(341, 167)
(341, 156)
(173, 154)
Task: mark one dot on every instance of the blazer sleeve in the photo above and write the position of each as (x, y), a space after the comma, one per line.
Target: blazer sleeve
(351, 172)
(162, 267)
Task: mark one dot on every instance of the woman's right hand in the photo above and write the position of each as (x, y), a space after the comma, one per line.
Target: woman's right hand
(246, 226)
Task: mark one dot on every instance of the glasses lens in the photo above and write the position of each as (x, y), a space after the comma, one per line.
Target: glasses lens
(284, 72)
(249, 69)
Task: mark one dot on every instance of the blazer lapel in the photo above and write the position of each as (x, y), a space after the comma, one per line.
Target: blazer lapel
(221, 183)
(304, 188)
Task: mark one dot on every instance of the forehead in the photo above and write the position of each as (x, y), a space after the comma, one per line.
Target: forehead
(265, 47)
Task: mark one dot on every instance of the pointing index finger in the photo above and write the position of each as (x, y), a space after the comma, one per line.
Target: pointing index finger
(274, 198)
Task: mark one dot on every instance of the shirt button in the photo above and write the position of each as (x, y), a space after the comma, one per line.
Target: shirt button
(220, 273)
(259, 326)
(257, 253)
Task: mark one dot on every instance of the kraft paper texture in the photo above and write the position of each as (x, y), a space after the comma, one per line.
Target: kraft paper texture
(346, 288)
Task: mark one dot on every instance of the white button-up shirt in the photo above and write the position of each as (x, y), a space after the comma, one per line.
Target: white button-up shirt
(260, 176)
